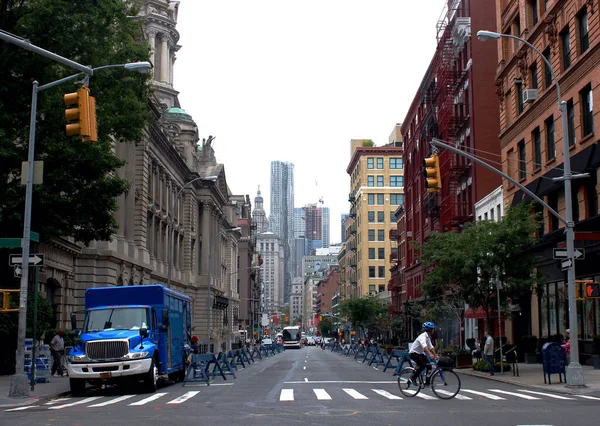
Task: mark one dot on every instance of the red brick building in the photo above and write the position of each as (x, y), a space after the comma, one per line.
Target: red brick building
(456, 102)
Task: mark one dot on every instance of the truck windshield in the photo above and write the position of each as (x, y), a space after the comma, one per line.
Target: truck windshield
(115, 319)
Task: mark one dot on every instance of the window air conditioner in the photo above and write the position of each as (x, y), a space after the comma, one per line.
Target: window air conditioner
(530, 95)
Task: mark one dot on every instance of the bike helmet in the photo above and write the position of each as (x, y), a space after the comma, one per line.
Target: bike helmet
(428, 326)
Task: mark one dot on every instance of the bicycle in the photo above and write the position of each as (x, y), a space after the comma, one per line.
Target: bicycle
(444, 382)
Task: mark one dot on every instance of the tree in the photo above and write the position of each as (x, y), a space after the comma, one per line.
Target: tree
(78, 196)
(466, 266)
(363, 312)
(325, 326)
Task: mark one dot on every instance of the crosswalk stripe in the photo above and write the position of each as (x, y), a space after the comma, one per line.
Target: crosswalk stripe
(322, 394)
(457, 396)
(71, 404)
(184, 397)
(111, 401)
(354, 394)
(57, 401)
(286, 395)
(519, 395)
(549, 395)
(485, 394)
(22, 408)
(595, 398)
(149, 399)
(424, 396)
(386, 394)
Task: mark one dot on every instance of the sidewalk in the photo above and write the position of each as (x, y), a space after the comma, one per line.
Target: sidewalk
(42, 391)
(532, 376)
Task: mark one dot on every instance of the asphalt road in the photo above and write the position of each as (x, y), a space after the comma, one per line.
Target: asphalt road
(311, 387)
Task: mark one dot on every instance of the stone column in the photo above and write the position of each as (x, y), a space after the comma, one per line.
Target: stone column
(152, 43)
(164, 59)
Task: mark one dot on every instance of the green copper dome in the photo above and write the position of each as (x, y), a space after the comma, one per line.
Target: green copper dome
(177, 114)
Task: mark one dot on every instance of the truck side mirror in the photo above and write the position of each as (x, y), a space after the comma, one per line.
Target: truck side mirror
(143, 332)
(73, 321)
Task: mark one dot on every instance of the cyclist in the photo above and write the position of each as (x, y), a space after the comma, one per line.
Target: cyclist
(421, 346)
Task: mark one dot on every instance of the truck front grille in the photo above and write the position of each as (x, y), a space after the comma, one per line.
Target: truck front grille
(106, 349)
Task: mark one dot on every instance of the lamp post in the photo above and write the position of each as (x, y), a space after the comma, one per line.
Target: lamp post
(172, 208)
(18, 385)
(574, 369)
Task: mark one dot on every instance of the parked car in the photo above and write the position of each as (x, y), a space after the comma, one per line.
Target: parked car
(310, 341)
(267, 341)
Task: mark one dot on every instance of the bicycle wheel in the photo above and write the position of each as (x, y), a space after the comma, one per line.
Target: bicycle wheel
(445, 384)
(405, 384)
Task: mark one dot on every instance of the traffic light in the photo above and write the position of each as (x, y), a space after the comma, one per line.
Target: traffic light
(431, 173)
(592, 290)
(81, 115)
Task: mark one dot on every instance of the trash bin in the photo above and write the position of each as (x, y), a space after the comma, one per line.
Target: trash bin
(553, 361)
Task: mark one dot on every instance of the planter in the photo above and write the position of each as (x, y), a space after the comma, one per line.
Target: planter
(464, 360)
(530, 359)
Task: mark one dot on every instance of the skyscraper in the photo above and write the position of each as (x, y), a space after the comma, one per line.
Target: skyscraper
(281, 217)
(316, 227)
(259, 216)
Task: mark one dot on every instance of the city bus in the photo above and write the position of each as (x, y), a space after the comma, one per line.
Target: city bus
(292, 337)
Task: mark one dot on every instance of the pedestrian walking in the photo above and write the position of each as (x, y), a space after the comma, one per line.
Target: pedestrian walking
(488, 351)
(57, 347)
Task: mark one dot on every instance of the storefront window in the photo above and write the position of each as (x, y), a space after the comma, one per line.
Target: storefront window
(552, 309)
(544, 312)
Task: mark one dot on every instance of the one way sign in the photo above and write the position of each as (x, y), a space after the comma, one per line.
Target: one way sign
(34, 259)
(561, 253)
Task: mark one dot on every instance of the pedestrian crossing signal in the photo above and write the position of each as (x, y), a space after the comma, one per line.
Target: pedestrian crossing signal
(592, 290)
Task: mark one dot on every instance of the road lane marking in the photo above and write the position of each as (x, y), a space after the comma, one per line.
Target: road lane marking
(304, 368)
(549, 395)
(149, 399)
(519, 395)
(111, 401)
(424, 396)
(457, 396)
(372, 382)
(354, 394)
(322, 394)
(595, 398)
(184, 397)
(71, 404)
(485, 394)
(56, 401)
(386, 394)
(306, 380)
(286, 395)
(22, 408)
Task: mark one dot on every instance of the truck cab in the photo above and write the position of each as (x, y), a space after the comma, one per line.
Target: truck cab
(134, 333)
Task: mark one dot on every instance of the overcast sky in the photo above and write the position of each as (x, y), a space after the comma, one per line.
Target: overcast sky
(296, 80)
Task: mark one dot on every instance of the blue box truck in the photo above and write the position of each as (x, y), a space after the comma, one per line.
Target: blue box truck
(134, 333)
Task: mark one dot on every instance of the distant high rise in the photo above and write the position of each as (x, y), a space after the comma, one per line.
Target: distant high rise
(259, 216)
(316, 227)
(281, 217)
(299, 222)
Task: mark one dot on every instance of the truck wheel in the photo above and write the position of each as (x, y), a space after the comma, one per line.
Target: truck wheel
(77, 386)
(151, 377)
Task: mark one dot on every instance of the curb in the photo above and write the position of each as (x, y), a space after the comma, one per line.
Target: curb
(527, 385)
(33, 400)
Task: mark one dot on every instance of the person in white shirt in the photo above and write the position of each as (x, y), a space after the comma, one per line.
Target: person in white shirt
(421, 346)
(488, 351)
(57, 347)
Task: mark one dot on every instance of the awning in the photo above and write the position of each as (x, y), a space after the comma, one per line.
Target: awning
(480, 313)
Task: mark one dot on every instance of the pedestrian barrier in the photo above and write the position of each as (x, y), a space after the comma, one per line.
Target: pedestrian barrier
(361, 352)
(256, 351)
(370, 353)
(239, 358)
(396, 355)
(378, 358)
(199, 368)
(225, 366)
(248, 355)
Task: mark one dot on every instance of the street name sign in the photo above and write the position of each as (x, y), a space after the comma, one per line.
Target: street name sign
(561, 253)
(34, 259)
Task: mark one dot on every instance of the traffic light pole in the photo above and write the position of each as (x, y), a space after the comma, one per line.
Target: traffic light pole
(574, 370)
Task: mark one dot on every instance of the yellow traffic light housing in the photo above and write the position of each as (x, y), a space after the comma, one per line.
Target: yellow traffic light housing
(431, 172)
(81, 116)
(6, 301)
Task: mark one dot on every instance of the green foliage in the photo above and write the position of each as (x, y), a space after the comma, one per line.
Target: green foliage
(483, 366)
(368, 143)
(78, 196)
(325, 326)
(363, 311)
(465, 266)
(9, 322)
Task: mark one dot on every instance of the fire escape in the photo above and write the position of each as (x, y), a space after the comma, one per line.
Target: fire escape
(352, 247)
(452, 117)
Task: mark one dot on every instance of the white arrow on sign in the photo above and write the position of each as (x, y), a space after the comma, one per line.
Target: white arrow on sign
(18, 271)
(562, 253)
(34, 259)
(566, 264)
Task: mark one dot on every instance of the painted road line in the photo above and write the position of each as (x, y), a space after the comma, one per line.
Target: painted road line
(111, 401)
(386, 394)
(322, 394)
(354, 394)
(184, 397)
(457, 396)
(595, 398)
(518, 395)
(306, 380)
(549, 395)
(57, 401)
(286, 395)
(484, 394)
(71, 404)
(27, 407)
(149, 399)
(368, 382)
(424, 396)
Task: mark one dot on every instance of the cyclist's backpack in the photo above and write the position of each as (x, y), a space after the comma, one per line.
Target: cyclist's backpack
(446, 363)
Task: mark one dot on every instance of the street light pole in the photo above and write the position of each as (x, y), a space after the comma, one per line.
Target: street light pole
(170, 233)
